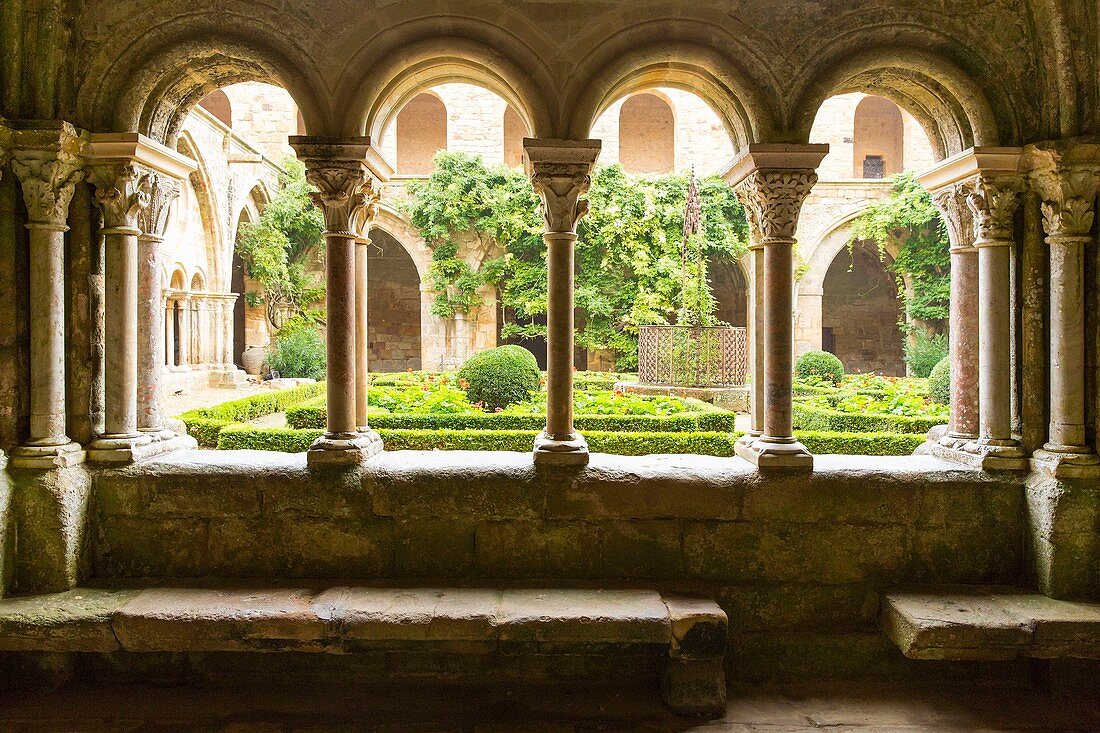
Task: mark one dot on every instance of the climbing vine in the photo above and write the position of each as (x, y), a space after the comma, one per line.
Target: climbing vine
(629, 254)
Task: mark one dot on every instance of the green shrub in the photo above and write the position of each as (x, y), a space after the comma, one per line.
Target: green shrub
(205, 423)
(923, 351)
(299, 354)
(500, 377)
(807, 417)
(819, 364)
(250, 437)
(939, 382)
(860, 444)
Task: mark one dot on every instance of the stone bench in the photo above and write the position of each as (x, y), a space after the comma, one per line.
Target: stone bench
(988, 623)
(690, 633)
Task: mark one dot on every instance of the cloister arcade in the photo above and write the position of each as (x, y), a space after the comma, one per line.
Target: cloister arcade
(105, 190)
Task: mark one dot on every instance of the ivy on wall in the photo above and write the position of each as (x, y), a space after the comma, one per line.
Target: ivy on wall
(628, 255)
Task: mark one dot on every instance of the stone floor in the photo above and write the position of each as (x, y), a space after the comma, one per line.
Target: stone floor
(835, 707)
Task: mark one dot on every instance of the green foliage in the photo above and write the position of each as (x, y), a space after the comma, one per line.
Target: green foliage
(499, 377)
(923, 351)
(277, 249)
(628, 255)
(819, 364)
(908, 217)
(860, 444)
(817, 418)
(299, 353)
(939, 382)
(205, 423)
(250, 437)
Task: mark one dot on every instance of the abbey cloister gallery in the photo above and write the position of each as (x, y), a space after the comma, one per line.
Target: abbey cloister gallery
(154, 154)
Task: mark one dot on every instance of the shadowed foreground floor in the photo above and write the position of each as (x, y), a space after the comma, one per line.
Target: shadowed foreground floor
(830, 707)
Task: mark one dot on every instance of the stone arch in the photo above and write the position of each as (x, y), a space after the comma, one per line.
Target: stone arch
(421, 131)
(625, 69)
(947, 102)
(217, 103)
(177, 280)
(514, 132)
(408, 70)
(200, 181)
(198, 282)
(647, 133)
(730, 284)
(878, 139)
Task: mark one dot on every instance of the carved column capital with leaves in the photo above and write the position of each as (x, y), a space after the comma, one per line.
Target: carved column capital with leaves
(1068, 201)
(773, 200)
(348, 175)
(153, 219)
(48, 163)
(122, 189)
(993, 201)
(951, 202)
(561, 174)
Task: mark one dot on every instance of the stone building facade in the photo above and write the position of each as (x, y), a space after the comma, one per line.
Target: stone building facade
(659, 130)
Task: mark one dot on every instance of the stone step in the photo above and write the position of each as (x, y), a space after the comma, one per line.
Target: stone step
(247, 617)
(988, 623)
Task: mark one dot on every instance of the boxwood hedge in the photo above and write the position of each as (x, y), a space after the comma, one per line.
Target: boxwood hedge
(819, 419)
(205, 423)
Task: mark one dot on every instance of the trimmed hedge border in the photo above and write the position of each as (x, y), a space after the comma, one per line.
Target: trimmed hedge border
(206, 423)
(312, 416)
(244, 437)
(819, 420)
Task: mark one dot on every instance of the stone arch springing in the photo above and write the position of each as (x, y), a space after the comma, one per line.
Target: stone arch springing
(878, 139)
(421, 131)
(647, 134)
(514, 132)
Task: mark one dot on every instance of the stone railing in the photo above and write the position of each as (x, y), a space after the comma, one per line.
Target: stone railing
(692, 356)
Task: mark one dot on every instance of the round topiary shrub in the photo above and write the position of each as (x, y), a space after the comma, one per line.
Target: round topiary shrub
(939, 382)
(820, 364)
(500, 377)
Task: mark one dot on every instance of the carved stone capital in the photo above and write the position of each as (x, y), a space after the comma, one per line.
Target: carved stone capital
(153, 219)
(364, 222)
(993, 201)
(48, 163)
(951, 202)
(122, 189)
(1068, 201)
(773, 200)
(560, 172)
(347, 173)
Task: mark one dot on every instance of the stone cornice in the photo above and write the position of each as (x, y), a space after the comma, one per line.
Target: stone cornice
(774, 156)
(149, 153)
(560, 172)
(969, 163)
(48, 159)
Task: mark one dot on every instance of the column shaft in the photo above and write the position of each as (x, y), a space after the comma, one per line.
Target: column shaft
(362, 343)
(47, 330)
(1067, 344)
(559, 335)
(340, 332)
(964, 317)
(150, 335)
(121, 352)
(756, 341)
(995, 357)
(778, 340)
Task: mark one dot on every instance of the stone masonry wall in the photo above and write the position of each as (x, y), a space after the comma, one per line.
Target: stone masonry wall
(393, 306)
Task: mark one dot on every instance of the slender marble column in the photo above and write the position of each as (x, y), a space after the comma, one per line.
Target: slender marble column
(338, 167)
(1069, 197)
(963, 320)
(48, 165)
(993, 201)
(560, 174)
(362, 333)
(756, 342)
(183, 335)
(122, 190)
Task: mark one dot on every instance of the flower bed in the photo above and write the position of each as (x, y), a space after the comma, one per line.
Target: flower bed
(867, 403)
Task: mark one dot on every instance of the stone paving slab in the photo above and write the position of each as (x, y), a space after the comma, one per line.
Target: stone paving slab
(562, 615)
(991, 623)
(77, 620)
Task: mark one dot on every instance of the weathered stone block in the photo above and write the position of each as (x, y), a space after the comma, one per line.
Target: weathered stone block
(433, 547)
(968, 553)
(74, 621)
(799, 607)
(566, 615)
(695, 687)
(50, 511)
(537, 549)
(953, 624)
(815, 500)
(411, 614)
(136, 547)
(642, 549)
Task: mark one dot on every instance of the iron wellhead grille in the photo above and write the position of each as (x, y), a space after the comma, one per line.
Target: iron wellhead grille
(693, 356)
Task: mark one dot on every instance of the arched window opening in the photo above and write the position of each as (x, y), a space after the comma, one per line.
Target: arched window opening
(217, 103)
(393, 306)
(647, 135)
(514, 132)
(878, 139)
(860, 312)
(421, 133)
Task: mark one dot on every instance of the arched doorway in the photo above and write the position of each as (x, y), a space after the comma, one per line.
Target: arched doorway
(421, 133)
(731, 291)
(860, 312)
(879, 139)
(647, 135)
(393, 306)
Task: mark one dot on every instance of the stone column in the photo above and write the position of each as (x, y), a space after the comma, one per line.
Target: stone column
(122, 190)
(755, 333)
(170, 335)
(993, 200)
(339, 168)
(560, 174)
(362, 337)
(772, 181)
(963, 424)
(48, 165)
(151, 325)
(1069, 198)
(183, 335)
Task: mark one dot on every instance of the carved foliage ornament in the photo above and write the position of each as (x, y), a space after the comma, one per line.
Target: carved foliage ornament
(153, 219)
(343, 189)
(560, 188)
(122, 190)
(1068, 202)
(993, 202)
(49, 173)
(951, 202)
(773, 200)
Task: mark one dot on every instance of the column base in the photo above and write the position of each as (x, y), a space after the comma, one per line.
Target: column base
(47, 456)
(983, 454)
(956, 441)
(553, 451)
(768, 454)
(158, 434)
(118, 448)
(344, 449)
(1066, 461)
(743, 447)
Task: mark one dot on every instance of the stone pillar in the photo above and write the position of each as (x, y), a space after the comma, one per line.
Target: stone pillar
(169, 332)
(755, 333)
(963, 424)
(362, 338)
(772, 181)
(560, 174)
(346, 174)
(122, 190)
(993, 200)
(183, 335)
(48, 164)
(1069, 198)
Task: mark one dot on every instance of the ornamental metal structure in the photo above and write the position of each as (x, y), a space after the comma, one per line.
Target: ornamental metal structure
(693, 356)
